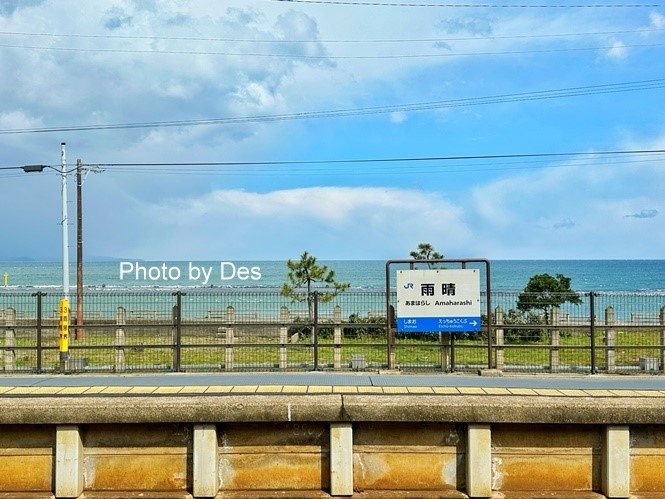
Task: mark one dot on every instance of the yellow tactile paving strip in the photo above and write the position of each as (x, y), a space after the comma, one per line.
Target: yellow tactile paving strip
(88, 391)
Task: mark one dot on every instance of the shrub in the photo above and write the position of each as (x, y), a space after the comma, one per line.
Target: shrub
(523, 335)
(365, 327)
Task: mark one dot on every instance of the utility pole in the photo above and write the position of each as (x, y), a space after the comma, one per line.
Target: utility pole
(65, 223)
(80, 334)
(64, 302)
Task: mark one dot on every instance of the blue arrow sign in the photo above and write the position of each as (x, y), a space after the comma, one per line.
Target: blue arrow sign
(438, 324)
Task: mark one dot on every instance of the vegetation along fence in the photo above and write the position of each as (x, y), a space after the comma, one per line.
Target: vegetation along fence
(234, 330)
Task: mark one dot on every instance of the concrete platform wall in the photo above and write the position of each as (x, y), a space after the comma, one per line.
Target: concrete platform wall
(331, 445)
(384, 456)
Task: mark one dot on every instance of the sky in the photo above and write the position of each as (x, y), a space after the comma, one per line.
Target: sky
(298, 87)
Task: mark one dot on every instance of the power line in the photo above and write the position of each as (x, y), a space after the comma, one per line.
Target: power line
(392, 160)
(390, 169)
(475, 6)
(383, 170)
(363, 111)
(384, 166)
(389, 166)
(326, 57)
(580, 155)
(379, 40)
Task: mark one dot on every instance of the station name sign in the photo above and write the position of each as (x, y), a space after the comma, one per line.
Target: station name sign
(444, 300)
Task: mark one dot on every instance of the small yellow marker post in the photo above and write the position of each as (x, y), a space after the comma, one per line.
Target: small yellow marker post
(5, 279)
(64, 333)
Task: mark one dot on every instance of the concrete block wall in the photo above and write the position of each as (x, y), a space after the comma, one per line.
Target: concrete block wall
(274, 456)
(27, 458)
(647, 458)
(399, 456)
(136, 457)
(476, 460)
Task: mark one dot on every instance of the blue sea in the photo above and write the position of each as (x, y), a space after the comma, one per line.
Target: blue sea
(506, 275)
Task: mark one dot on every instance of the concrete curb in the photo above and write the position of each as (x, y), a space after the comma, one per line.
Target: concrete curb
(333, 408)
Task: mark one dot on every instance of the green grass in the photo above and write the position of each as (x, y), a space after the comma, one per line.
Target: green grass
(258, 347)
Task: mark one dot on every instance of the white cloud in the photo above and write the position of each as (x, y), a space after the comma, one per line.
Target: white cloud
(180, 215)
(177, 88)
(574, 210)
(70, 87)
(257, 96)
(398, 117)
(143, 87)
(334, 222)
(657, 20)
(617, 51)
(18, 119)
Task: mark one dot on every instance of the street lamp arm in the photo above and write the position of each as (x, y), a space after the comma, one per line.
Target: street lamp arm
(40, 168)
(33, 168)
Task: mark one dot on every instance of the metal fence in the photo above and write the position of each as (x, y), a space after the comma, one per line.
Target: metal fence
(234, 330)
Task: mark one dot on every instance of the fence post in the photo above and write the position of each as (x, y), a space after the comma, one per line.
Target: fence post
(610, 340)
(10, 339)
(284, 318)
(315, 330)
(662, 338)
(337, 338)
(452, 352)
(177, 318)
(500, 354)
(230, 339)
(120, 321)
(39, 296)
(390, 337)
(592, 330)
(444, 340)
(555, 340)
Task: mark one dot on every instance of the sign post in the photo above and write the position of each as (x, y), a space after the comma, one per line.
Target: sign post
(438, 301)
(63, 328)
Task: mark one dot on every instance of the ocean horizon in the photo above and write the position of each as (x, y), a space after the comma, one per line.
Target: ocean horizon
(506, 275)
